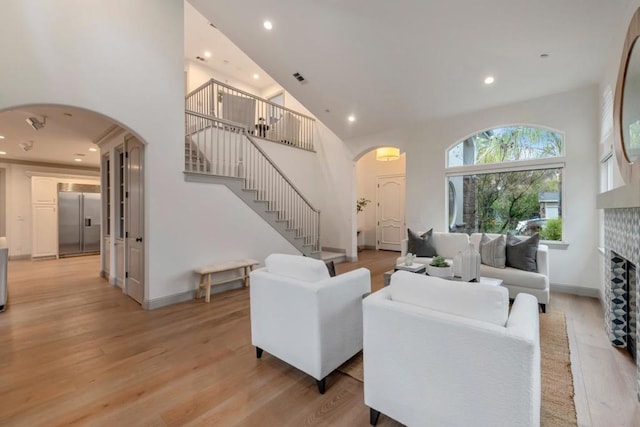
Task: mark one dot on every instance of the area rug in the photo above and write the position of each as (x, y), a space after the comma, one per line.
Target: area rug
(558, 408)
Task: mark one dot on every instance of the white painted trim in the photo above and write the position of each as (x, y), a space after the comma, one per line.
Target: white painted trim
(188, 296)
(554, 244)
(337, 250)
(168, 300)
(111, 132)
(64, 175)
(576, 290)
(514, 166)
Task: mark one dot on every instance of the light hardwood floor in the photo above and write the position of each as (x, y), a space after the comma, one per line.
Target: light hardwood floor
(75, 350)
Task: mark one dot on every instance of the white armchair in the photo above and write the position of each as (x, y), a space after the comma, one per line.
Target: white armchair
(304, 317)
(448, 353)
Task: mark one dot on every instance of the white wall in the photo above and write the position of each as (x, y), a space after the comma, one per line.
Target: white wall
(367, 170)
(198, 74)
(575, 113)
(610, 78)
(125, 60)
(18, 200)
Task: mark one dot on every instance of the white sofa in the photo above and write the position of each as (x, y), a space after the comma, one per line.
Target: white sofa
(448, 245)
(304, 317)
(446, 353)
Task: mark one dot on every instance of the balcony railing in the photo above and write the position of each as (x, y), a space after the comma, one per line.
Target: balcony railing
(260, 117)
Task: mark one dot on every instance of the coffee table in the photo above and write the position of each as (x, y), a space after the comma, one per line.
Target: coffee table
(484, 280)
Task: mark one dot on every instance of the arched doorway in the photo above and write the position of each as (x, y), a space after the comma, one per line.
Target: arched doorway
(380, 186)
(60, 198)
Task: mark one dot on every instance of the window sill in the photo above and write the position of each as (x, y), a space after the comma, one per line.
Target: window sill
(554, 244)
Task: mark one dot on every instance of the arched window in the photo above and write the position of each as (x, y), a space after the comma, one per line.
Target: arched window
(507, 179)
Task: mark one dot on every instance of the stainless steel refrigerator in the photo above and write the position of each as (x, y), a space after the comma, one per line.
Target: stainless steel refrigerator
(78, 219)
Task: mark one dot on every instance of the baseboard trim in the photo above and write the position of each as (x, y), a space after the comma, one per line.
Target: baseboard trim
(188, 296)
(113, 281)
(169, 300)
(19, 257)
(575, 290)
(337, 250)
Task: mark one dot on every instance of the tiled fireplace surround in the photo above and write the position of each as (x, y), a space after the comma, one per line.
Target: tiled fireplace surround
(622, 236)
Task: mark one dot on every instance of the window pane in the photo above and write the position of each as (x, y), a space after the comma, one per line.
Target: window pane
(506, 144)
(521, 202)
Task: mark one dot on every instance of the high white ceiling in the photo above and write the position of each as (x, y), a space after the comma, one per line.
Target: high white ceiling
(394, 63)
(201, 37)
(388, 63)
(68, 134)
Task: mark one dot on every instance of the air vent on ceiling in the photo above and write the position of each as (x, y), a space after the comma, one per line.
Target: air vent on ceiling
(299, 77)
(200, 58)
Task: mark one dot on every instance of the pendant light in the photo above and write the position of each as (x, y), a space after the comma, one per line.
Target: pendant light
(387, 154)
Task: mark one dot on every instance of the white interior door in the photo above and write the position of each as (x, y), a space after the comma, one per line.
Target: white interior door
(390, 212)
(134, 220)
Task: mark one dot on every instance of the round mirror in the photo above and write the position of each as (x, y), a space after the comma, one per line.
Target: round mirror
(631, 105)
(626, 106)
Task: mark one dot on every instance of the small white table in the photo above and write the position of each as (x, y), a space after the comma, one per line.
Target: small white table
(484, 280)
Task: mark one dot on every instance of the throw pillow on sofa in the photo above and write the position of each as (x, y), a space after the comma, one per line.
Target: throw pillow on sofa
(421, 245)
(522, 254)
(493, 251)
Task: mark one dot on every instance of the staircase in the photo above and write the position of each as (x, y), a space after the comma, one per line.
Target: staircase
(224, 152)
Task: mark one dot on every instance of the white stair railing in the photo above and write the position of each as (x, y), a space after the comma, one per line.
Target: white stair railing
(261, 118)
(224, 148)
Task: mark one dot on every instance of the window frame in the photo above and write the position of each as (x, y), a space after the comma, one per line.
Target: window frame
(558, 162)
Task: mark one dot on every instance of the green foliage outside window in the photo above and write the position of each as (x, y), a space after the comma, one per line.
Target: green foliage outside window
(510, 201)
(552, 230)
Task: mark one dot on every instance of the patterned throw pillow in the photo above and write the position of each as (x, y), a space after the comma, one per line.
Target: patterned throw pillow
(493, 252)
(522, 254)
(421, 245)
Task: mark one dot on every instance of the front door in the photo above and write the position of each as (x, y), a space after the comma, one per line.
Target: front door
(390, 212)
(135, 219)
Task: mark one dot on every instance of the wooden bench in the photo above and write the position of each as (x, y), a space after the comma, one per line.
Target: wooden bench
(206, 271)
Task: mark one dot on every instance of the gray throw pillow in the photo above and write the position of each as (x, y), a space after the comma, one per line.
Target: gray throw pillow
(421, 245)
(521, 254)
(331, 267)
(493, 252)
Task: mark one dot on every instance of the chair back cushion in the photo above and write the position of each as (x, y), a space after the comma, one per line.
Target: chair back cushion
(297, 267)
(477, 301)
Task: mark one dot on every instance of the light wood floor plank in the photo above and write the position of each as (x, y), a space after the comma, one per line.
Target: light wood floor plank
(75, 350)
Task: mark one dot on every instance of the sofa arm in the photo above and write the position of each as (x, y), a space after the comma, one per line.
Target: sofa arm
(404, 244)
(524, 320)
(542, 259)
(339, 302)
(414, 357)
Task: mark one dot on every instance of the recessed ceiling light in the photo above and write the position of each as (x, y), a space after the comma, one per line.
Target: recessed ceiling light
(207, 54)
(1, 137)
(93, 149)
(351, 118)
(77, 160)
(268, 25)
(489, 80)
(256, 77)
(2, 153)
